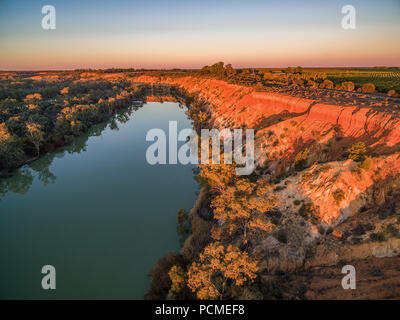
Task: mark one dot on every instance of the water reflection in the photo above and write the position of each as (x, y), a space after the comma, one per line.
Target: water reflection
(22, 179)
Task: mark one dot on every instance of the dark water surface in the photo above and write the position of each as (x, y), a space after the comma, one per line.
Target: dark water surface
(97, 212)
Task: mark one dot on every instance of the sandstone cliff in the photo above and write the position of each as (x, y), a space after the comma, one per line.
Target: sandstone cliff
(287, 125)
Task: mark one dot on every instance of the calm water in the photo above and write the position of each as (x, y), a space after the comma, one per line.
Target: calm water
(96, 211)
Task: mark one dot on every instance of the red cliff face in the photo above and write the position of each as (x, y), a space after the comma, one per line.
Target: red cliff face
(286, 125)
(301, 121)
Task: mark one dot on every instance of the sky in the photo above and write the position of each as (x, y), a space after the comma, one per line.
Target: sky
(191, 34)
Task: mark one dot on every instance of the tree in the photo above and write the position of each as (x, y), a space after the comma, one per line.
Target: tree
(357, 151)
(199, 117)
(11, 155)
(33, 98)
(160, 279)
(217, 177)
(65, 90)
(301, 159)
(298, 70)
(230, 72)
(347, 86)
(288, 70)
(5, 136)
(219, 269)
(241, 208)
(216, 70)
(35, 134)
(312, 84)
(178, 281)
(367, 88)
(326, 84)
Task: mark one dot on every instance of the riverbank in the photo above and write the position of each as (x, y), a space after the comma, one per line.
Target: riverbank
(60, 130)
(309, 219)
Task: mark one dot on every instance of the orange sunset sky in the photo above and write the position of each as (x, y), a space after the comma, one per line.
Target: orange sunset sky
(190, 34)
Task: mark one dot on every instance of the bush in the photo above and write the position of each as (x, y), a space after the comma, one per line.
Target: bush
(367, 88)
(357, 151)
(312, 84)
(281, 236)
(307, 210)
(160, 280)
(347, 86)
(393, 231)
(378, 236)
(376, 272)
(326, 84)
(338, 195)
(301, 159)
(366, 164)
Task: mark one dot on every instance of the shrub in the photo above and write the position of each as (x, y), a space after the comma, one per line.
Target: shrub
(321, 229)
(392, 230)
(367, 88)
(160, 280)
(312, 84)
(361, 229)
(281, 236)
(378, 236)
(307, 210)
(301, 159)
(297, 82)
(326, 84)
(357, 151)
(376, 272)
(347, 86)
(366, 164)
(296, 202)
(338, 195)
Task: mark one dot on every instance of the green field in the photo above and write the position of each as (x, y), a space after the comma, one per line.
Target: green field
(384, 80)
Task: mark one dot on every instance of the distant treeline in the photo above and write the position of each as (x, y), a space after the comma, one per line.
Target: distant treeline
(384, 80)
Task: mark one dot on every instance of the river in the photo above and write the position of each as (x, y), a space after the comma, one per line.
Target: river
(96, 211)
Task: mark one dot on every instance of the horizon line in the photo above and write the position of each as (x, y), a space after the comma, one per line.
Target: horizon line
(181, 68)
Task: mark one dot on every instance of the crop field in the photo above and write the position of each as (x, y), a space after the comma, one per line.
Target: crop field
(384, 80)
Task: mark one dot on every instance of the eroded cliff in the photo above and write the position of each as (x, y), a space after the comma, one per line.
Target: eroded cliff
(301, 145)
